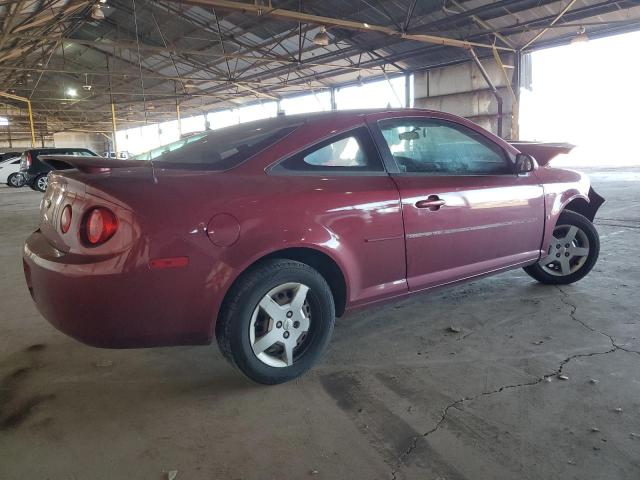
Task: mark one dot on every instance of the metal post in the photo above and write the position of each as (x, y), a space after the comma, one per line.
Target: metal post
(407, 90)
(178, 117)
(8, 128)
(493, 88)
(28, 102)
(113, 126)
(333, 98)
(515, 129)
(33, 131)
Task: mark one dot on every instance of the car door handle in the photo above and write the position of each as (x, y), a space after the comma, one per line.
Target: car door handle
(432, 203)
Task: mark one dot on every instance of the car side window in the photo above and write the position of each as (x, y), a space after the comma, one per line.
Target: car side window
(437, 147)
(81, 153)
(350, 151)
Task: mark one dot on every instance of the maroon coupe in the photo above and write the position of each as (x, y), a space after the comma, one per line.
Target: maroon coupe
(262, 233)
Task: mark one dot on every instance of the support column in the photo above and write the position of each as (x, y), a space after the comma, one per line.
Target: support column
(517, 60)
(33, 130)
(493, 88)
(9, 129)
(178, 118)
(334, 106)
(114, 142)
(407, 91)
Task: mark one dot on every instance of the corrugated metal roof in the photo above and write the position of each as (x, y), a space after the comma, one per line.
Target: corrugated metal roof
(145, 53)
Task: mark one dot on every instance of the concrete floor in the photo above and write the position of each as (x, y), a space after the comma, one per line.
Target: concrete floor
(397, 395)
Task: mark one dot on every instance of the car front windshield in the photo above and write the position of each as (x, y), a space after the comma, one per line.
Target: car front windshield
(218, 150)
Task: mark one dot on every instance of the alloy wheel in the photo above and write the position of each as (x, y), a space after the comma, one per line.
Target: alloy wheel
(568, 253)
(280, 325)
(42, 183)
(14, 180)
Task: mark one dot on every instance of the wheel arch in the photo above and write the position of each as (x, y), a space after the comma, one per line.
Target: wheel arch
(585, 206)
(315, 258)
(325, 265)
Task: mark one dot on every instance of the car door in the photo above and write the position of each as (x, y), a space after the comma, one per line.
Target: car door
(340, 183)
(466, 212)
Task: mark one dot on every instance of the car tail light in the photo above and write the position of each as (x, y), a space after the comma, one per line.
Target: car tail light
(65, 219)
(25, 163)
(99, 226)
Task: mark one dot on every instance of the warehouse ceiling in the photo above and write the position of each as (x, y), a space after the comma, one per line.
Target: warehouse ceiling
(73, 59)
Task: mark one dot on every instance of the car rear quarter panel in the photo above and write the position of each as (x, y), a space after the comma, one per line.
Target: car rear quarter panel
(356, 221)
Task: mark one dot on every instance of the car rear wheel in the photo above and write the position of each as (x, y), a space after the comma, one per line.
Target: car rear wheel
(276, 321)
(40, 183)
(15, 180)
(574, 250)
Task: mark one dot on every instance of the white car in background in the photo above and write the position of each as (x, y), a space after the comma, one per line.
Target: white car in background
(120, 155)
(10, 172)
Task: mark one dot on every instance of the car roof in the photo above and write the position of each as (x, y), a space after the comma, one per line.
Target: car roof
(345, 114)
(55, 149)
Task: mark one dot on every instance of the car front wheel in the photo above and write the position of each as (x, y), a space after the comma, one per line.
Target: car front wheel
(574, 250)
(276, 321)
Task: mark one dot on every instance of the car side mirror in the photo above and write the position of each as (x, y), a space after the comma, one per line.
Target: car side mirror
(525, 163)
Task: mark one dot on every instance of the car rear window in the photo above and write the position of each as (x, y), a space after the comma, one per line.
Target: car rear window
(221, 149)
(76, 152)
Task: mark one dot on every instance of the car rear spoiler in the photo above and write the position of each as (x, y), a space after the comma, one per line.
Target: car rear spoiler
(89, 164)
(542, 152)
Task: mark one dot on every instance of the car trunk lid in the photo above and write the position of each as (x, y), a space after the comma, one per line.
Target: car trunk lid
(89, 164)
(543, 152)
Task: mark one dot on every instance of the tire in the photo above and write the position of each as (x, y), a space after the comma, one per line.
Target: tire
(14, 180)
(549, 270)
(243, 322)
(40, 183)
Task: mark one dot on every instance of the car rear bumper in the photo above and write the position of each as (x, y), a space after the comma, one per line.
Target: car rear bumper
(112, 304)
(28, 178)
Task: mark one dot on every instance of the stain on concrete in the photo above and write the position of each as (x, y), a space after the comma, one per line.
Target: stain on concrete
(36, 347)
(387, 432)
(384, 429)
(22, 412)
(14, 412)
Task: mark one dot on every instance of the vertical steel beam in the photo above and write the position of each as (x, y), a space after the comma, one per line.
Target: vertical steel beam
(518, 82)
(334, 106)
(33, 130)
(407, 90)
(178, 118)
(9, 132)
(28, 102)
(114, 130)
(493, 88)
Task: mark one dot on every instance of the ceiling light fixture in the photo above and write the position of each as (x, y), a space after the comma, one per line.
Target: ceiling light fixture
(581, 36)
(72, 92)
(97, 13)
(87, 85)
(322, 38)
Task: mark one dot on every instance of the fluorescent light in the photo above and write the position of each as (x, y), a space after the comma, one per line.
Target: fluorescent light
(72, 92)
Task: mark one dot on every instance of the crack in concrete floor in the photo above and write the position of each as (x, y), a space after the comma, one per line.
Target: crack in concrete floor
(564, 298)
